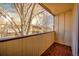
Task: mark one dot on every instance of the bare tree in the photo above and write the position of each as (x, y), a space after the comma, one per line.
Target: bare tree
(23, 11)
(10, 20)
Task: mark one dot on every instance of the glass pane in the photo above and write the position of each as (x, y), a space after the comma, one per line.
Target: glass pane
(42, 21)
(24, 19)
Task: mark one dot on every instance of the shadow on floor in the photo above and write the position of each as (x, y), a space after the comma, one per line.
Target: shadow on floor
(57, 49)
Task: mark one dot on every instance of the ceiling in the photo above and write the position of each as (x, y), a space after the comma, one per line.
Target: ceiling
(57, 8)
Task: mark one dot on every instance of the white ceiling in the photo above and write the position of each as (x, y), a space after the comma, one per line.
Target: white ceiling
(57, 8)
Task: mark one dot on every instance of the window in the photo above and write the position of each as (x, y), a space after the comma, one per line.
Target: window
(24, 19)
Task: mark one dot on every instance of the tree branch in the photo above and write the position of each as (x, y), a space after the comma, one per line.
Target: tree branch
(26, 14)
(28, 28)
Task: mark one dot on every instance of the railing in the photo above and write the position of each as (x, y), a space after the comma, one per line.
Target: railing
(19, 37)
(27, 45)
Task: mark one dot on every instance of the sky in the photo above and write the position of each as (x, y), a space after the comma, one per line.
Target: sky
(6, 6)
(11, 11)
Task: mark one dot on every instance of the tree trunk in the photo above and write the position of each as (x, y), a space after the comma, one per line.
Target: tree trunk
(30, 19)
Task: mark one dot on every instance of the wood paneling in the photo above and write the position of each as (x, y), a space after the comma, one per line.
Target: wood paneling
(29, 46)
(3, 49)
(57, 26)
(68, 28)
(61, 28)
(63, 25)
(57, 8)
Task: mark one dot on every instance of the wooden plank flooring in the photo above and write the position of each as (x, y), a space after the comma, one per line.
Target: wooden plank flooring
(58, 50)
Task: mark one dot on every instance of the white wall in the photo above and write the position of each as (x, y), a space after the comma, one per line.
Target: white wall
(34, 45)
(75, 30)
(63, 27)
(66, 27)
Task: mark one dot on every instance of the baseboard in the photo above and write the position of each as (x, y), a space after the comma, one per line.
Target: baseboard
(47, 49)
(62, 43)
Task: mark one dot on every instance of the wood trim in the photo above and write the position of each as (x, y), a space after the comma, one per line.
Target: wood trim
(46, 8)
(53, 23)
(62, 43)
(58, 24)
(9, 39)
(64, 28)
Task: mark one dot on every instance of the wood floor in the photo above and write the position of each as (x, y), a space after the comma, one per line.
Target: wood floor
(58, 50)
